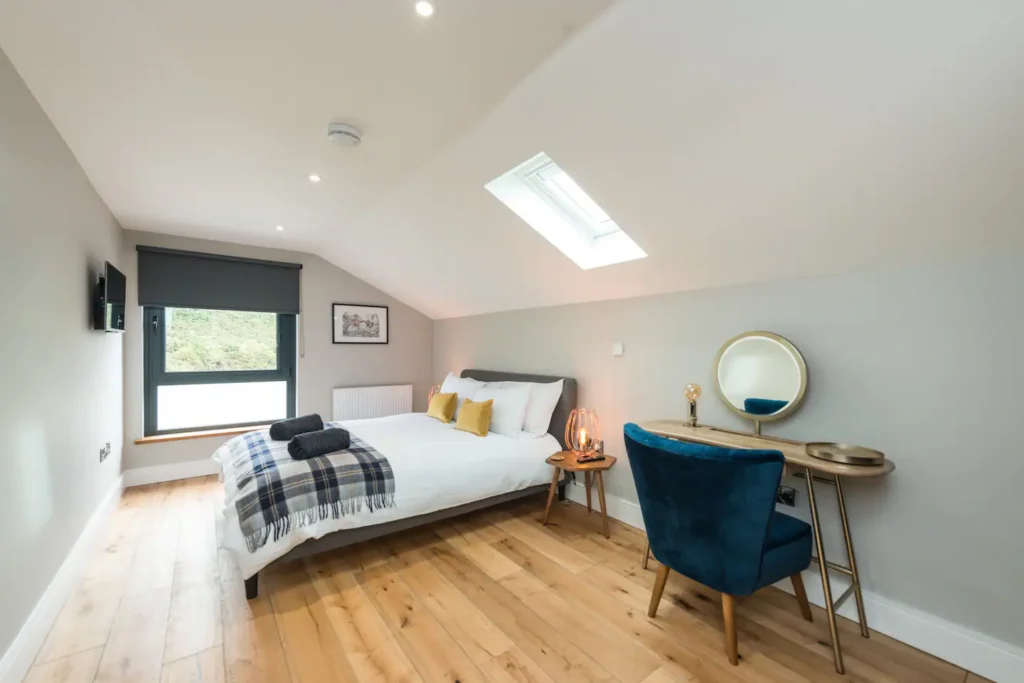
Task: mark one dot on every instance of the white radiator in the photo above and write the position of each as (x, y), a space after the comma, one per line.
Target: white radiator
(357, 403)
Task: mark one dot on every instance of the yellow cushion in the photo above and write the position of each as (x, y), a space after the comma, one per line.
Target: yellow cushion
(442, 406)
(475, 417)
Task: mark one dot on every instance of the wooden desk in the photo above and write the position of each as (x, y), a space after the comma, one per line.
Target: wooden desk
(812, 469)
(794, 451)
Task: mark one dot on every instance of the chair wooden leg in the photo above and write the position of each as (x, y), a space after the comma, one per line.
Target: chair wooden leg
(801, 596)
(659, 588)
(647, 554)
(729, 617)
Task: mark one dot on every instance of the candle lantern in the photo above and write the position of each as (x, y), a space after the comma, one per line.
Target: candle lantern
(582, 433)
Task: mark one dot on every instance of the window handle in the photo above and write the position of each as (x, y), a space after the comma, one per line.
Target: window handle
(156, 323)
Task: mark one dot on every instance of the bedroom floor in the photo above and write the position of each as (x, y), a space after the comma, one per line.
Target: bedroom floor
(491, 597)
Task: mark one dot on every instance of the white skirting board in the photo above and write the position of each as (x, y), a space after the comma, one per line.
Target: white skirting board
(18, 659)
(976, 652)
(156, 474)
(619, 508)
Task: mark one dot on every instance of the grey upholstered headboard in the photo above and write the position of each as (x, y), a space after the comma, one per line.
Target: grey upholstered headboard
(566, 403)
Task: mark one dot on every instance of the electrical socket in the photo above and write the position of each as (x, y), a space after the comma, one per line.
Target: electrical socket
(786, 495)
(104, 452)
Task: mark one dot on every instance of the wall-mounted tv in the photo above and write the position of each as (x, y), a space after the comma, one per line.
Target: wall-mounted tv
(109, 300)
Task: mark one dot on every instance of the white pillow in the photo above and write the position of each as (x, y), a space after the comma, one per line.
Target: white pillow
(465, 387)
(509, 408)
(543, 399)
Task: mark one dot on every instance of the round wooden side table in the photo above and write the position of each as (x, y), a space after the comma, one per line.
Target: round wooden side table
(591, 470)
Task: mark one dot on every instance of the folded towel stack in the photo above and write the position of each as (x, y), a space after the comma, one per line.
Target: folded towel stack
(286, 429)
(315, 444)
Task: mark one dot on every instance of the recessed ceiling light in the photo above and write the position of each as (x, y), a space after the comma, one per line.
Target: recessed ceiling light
(314, 178)
(280, 228)
(424, 8)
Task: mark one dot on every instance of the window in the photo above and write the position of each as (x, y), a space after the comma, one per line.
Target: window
(208, 369)
(555, 205)
(570, 197)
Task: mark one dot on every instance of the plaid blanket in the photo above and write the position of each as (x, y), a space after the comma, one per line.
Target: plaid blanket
(277, 493)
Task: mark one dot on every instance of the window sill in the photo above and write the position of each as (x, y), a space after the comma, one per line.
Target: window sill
(208, 434)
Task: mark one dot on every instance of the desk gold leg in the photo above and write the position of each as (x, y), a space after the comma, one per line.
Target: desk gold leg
(853, 561)
(826, 585)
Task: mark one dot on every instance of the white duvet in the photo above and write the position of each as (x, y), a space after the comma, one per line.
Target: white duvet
(435, 467)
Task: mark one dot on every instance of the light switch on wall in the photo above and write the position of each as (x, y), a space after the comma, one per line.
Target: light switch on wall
(617, 349)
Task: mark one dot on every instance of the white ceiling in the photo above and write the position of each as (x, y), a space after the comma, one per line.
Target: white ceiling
(205, 117)
(734, 141)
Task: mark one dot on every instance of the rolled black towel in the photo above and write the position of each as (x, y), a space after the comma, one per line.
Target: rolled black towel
(286, 429)
(315, 444)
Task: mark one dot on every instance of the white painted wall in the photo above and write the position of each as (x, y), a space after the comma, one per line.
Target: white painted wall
(60, 381)
(406, 359)
(920, 360)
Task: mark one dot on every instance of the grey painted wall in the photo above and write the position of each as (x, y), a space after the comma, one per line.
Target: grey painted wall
(405, 360)
(61, 381)
(922, 361)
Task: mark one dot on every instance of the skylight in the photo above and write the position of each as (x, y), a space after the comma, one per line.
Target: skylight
(554, 204)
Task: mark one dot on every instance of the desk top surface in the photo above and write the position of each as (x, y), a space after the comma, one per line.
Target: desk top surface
(793, 451)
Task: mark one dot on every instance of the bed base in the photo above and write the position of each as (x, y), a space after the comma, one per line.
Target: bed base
(347, 537)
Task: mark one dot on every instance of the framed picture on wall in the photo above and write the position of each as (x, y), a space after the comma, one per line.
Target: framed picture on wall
(360, 324)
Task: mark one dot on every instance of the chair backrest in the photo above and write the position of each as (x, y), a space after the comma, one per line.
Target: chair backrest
(706, 508)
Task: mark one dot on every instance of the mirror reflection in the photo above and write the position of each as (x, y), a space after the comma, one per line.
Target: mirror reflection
(761, 375)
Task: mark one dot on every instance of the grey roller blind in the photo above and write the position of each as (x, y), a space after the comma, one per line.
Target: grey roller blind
(185, 279)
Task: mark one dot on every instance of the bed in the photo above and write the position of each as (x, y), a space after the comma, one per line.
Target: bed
(438, 473)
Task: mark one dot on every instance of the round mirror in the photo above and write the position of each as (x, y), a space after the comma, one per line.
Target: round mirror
(760, 376)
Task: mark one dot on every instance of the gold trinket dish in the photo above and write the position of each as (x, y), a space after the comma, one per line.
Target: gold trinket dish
(845, 453)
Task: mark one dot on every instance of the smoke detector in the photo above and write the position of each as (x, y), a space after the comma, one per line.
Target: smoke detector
(344, 134)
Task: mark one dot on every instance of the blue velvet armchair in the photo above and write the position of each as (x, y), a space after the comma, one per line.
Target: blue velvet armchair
(710, 515)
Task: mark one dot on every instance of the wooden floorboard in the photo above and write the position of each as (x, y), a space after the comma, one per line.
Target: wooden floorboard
(492, 597)
(205, 667)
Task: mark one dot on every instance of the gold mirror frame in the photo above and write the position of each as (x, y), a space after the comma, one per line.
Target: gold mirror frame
(793, 405)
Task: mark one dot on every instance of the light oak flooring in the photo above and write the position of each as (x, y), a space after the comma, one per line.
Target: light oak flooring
(491, 597)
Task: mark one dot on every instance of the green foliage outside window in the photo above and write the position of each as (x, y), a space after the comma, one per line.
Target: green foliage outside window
(201, 340)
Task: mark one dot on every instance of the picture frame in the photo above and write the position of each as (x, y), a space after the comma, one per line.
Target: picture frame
(359, 324)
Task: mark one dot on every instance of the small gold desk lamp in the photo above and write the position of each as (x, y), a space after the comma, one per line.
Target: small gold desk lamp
(692, 393)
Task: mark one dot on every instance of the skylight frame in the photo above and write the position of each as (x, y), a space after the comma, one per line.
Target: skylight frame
(551, 211)
(542, 180)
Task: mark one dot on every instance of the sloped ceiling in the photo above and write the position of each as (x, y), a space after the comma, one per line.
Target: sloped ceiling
(736, 142)
(205, 117)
